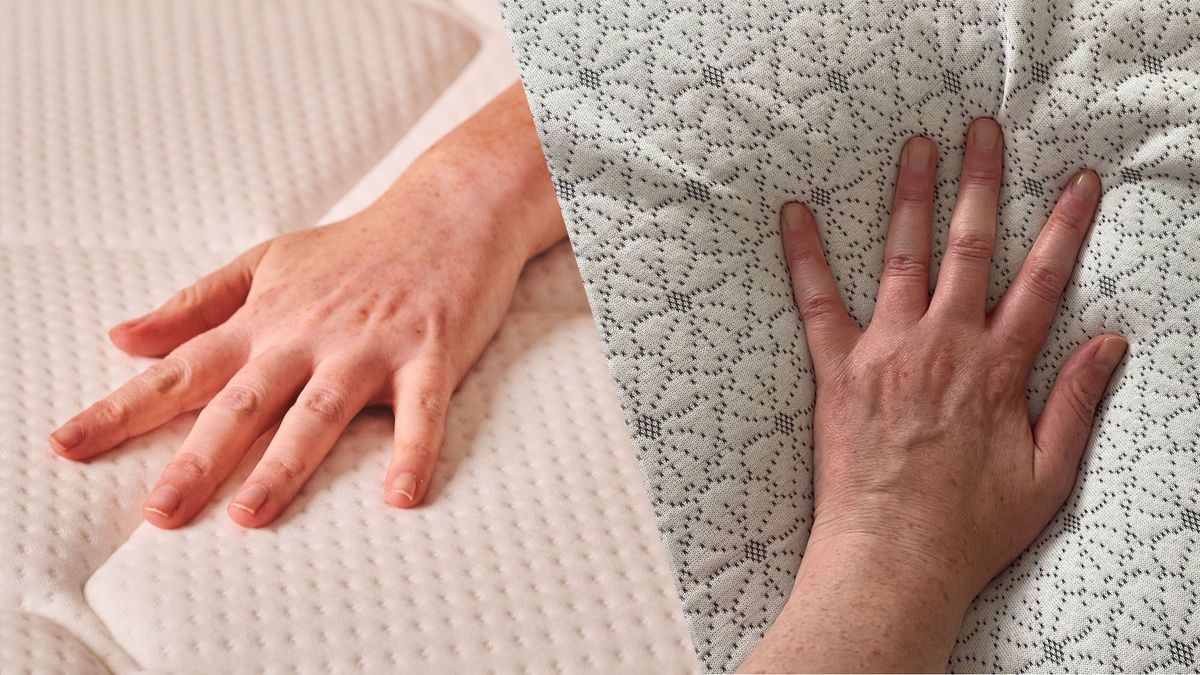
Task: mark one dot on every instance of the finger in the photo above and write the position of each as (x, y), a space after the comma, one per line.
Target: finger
(1024, 314)
(200, 307)
(423, 391)
(338, 390)
(904, 287)
(827, 326)
(963, 278)
(1061, 431)
(183, 381)
(228, 426)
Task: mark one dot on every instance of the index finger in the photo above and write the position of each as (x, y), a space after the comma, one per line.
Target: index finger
(828, 328)
(1027, 309)
(185, 380)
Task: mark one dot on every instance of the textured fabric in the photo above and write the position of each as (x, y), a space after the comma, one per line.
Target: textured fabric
(676, 130)
(145, 142)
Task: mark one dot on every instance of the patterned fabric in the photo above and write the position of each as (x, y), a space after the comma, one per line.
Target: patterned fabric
(675, 131)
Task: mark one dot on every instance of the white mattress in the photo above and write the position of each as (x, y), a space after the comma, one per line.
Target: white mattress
(675, 131)
(144, 142)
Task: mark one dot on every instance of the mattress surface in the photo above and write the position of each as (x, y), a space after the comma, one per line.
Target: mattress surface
(145, 143)
(676, 131)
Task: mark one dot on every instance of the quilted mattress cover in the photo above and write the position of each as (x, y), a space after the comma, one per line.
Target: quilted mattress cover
(143, 143)
(675, 131)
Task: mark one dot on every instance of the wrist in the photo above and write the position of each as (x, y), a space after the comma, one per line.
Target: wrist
(889, 570)
(901, 611)
(490, 170)
(858, 605)
(509, 201)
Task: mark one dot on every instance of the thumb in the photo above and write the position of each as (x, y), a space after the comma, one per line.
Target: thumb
(191, 311)
(1061, 431)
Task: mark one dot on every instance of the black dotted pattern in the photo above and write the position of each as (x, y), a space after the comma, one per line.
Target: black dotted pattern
(1041, 73)
(679, 302)
(952, 81)
(696, 190)
(713, 76)
(564, 189)
(589, 78)
(648, 427)
(1191, 520)
(1054, 652)
(756, 551)
(675, 131)
(1182, 654)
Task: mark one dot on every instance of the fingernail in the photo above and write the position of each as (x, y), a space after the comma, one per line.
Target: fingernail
(918, 155)
(404, 484)
(1110, 352)
(251, 498)
(68, 435)
(793, 215)
(1086, 185)
(985, 134)
(163, 501)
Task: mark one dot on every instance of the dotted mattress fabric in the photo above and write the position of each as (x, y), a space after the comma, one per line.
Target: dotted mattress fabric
(146, 142)
(676, 130)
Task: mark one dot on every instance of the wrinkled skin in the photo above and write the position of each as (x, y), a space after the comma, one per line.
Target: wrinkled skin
(929, 476)
(390, 307)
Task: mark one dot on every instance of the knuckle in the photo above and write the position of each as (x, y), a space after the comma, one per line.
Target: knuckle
(904, 265)
(817, 305)
(972, 247)
(186, 297)
(1007, 378)
(327, 404)
(286, 468)
(1066, 219)
(1044, 281)
(912, 195)
(1082, 401)
(172, 374)
(431, 404)
(985, 174)
(437, 326)
(421, 450)
(191, 465)
(111, 412)
(240, 399)
(800, 257)
(1017, 339)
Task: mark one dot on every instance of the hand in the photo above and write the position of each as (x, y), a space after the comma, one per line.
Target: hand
(929, 477)
(390, 307)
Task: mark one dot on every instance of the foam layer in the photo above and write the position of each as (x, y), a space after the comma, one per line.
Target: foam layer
(146, 143)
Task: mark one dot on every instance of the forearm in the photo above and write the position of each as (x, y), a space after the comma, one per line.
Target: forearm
(489, 170)
(857, 608)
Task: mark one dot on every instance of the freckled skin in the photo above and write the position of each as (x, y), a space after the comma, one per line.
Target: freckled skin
(390, 307)
(929, 477)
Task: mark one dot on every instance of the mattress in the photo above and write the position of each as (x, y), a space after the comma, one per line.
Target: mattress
(147, 142)
(676, 131)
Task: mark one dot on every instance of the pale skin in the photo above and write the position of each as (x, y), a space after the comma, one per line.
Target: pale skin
(930, 477)
(388, 308)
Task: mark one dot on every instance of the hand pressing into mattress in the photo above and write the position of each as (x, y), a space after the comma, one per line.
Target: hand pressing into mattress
(390, 307)
(929, 476)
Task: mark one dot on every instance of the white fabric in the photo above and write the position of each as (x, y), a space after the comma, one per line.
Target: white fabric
(676, 130)
(143, 143)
